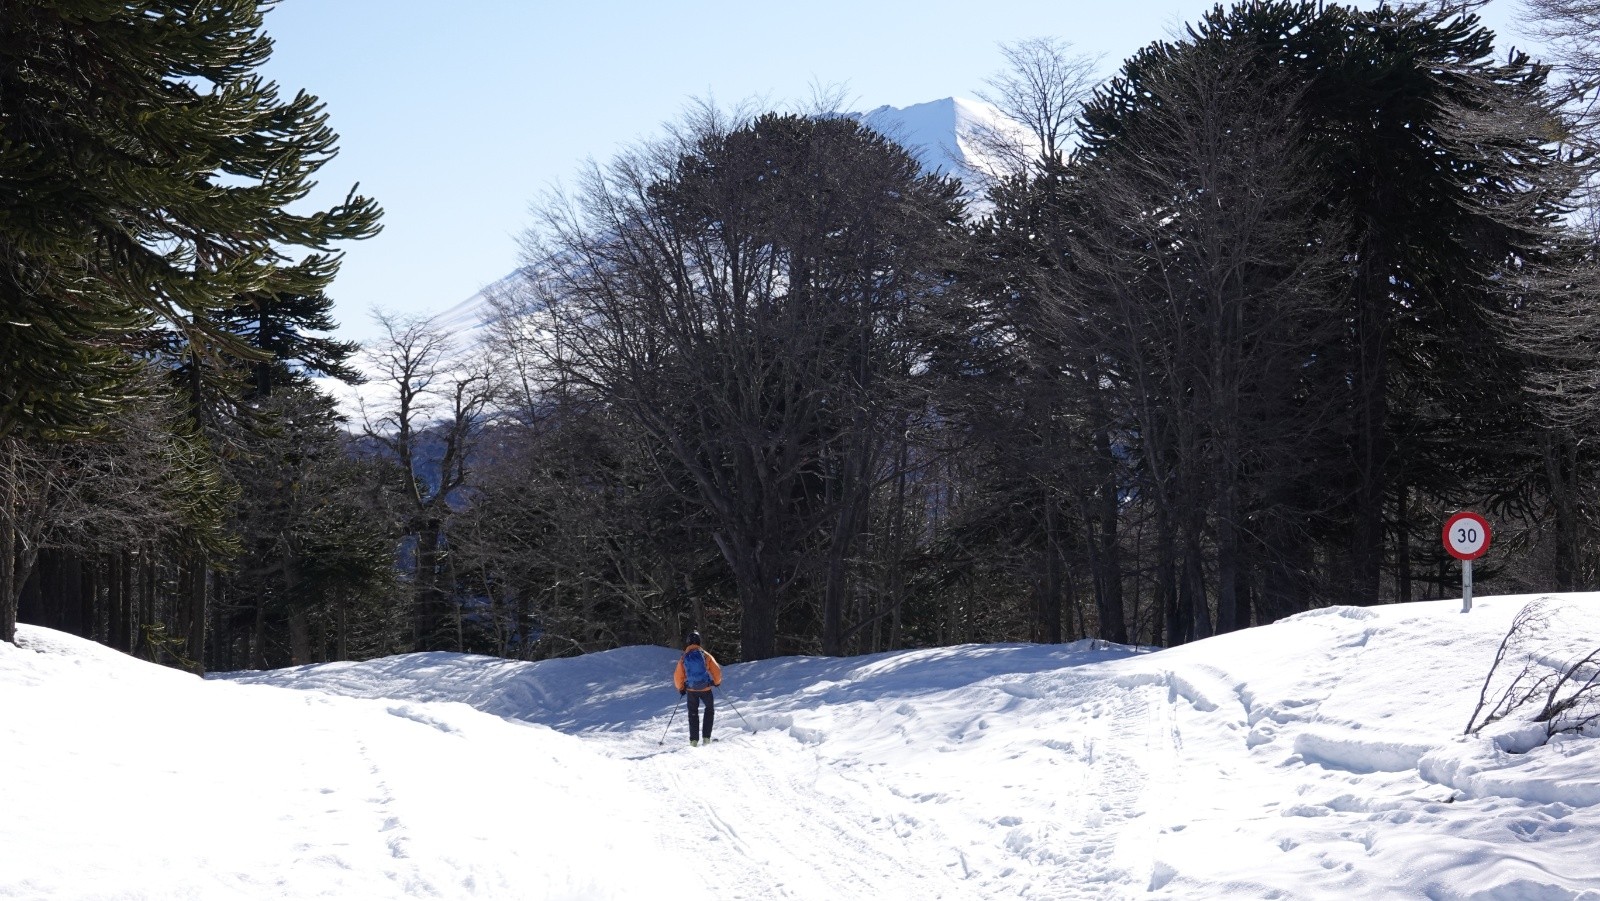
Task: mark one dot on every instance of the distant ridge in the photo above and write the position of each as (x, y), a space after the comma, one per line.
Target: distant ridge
(468, 317)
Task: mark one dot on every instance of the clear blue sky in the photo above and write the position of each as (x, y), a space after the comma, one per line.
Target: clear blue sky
(458, 116)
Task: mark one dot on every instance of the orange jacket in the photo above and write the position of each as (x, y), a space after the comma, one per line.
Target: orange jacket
(678, 675)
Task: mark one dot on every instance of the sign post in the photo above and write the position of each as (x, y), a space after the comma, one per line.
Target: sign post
(1466, 538)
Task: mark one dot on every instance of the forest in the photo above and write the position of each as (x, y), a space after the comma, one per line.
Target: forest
(1228, 338)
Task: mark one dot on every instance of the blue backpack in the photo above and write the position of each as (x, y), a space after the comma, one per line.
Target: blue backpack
(695, 676)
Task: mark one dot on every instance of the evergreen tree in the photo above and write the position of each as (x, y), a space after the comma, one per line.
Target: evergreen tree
(315, 553)
(146, 175)
(1395, 107)
(284, 327)
(1020, 388)
(148, 172)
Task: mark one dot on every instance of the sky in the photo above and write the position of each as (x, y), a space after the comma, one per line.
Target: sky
(1320, 757)
(459, 121)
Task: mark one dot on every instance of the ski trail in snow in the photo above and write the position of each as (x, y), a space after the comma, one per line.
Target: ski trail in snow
(1163, 744)
(731, 811)
(1078, 828)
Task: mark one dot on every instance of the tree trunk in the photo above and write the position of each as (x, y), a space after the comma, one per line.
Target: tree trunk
(89, 614)
(1227, 561)
(112, 563)
(1371, 438)
(1284, 591)
(147, 607)
(10, 591)
(1047, 615)
(1166, 582)
(1105, 553)
(11, 575)
(758, 627)
(836, 581)
(258, 633)
(69, 603)
(129, 609)
(428, 603)
(1402, 550)
(196, 648)
(1245, 596)
(342, 649)
(758, 600)
(897, 549)
(299, 638)
(1560, 471)
(1195, 606)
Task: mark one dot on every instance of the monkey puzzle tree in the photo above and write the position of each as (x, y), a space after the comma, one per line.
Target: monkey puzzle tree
(147, 174)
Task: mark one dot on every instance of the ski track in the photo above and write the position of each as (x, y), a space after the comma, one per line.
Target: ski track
(1079, 833)
(732, 807)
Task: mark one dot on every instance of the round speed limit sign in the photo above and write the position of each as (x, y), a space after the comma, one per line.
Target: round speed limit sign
(1466, 536)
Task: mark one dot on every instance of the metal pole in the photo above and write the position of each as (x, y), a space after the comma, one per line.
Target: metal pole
(741, 716)
(670, 721)
(1466, 585)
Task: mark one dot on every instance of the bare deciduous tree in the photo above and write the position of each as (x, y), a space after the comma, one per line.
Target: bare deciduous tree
(742, 293)
(144, 482)
(1042, 88)
(429, 424)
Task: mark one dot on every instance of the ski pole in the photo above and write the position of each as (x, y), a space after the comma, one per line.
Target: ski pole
(741, 716)
(670, 721)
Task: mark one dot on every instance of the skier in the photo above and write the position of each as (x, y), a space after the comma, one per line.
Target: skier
(697, 673)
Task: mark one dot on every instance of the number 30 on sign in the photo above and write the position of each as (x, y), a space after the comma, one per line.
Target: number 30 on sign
(1466, 536)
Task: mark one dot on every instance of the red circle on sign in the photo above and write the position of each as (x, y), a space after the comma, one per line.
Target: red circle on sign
(1466, 536)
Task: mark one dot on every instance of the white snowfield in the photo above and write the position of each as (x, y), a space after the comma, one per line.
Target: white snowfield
(1321, 757)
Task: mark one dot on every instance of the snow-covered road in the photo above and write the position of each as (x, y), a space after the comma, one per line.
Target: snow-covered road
(1320, 757)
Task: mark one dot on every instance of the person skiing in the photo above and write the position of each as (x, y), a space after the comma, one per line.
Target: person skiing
(698, 673)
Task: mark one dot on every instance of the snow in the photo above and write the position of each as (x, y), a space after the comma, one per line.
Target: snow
(969, 139)
(1319, 757)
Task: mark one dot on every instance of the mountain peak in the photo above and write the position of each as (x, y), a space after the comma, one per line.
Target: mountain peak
(969, 139)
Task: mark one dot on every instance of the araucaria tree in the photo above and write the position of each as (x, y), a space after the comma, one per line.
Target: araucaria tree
(147, 174)
(1296, 229)
(748, 294)
(1198, 278)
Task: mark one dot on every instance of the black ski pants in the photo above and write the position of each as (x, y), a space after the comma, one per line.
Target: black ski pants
(696, 727)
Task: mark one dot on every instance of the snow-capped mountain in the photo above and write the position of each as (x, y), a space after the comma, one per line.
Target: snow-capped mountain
(467, 319)
(970, 139)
